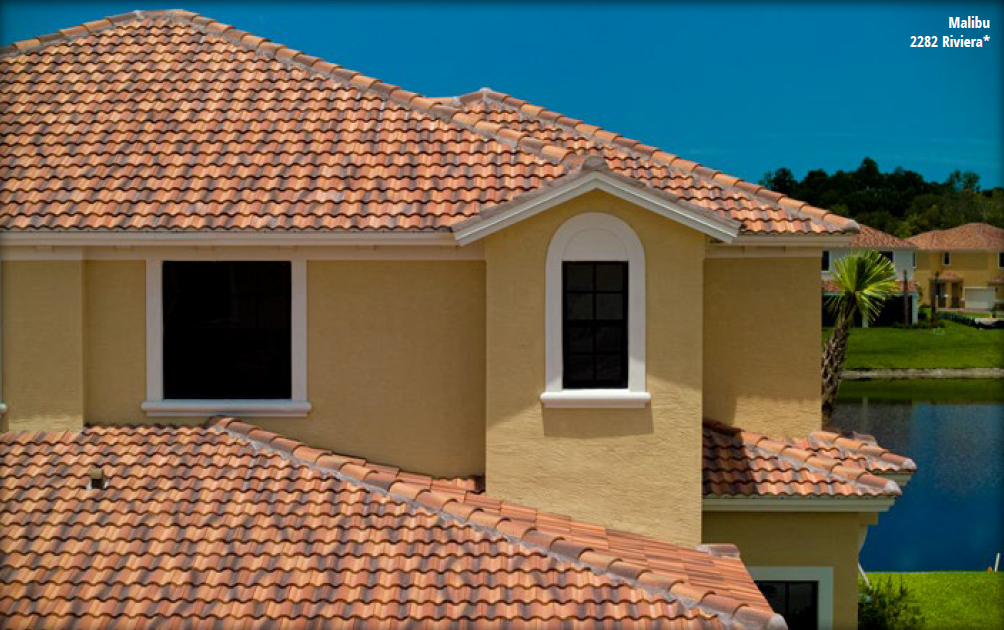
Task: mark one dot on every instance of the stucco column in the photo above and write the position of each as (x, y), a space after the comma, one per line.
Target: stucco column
(43, 344)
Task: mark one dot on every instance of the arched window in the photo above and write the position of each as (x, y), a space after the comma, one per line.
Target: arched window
(595, 315)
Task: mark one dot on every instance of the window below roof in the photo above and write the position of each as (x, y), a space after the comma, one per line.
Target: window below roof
(232, 338)
(946, 258)
(795, 600)
(826, 260)
(802, 595)
(887, 255)
(595, 315)
(227, 329)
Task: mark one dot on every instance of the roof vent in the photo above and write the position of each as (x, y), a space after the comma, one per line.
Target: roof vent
(98, 481)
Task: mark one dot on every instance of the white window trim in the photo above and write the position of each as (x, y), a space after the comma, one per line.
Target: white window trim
(156, 406)
(822, 575)
(632, 252)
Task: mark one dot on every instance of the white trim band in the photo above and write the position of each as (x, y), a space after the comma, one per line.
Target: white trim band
(797, 504)
(595, 399)
(242, 408)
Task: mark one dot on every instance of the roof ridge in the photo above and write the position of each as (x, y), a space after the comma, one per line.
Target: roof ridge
(788, 451)
(290, 57)
(639, 149)
(520, 531)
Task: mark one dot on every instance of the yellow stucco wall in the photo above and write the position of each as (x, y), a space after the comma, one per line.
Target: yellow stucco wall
(396, 369)
(115, 348)
(396, 356)
(635, 469)
(797, 539)
(976, 268)
(43, 344)
(762, 341)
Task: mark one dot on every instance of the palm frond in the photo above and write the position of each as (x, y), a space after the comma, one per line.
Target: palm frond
(864, 280)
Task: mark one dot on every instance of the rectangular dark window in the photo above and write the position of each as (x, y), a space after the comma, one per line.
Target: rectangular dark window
(1000, 259)
(796, 601)
(826, 260)
(887, 256)
(227, 330)
(946, 258)
(594, 325)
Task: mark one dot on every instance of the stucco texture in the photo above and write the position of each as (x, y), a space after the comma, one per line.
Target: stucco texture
(43, 344)
(797, 539)
(396, 355)
(762, 344)
(634, 469)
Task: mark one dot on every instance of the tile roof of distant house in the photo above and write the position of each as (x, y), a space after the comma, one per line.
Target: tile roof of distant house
(228, 525)
(824, 464)
(968, 236)
(870, 238)
(170, 121)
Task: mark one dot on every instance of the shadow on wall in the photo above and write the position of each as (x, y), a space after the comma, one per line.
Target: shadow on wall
(595, 423)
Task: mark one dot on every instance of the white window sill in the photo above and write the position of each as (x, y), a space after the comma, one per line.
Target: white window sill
(595, 399)
(241, 408)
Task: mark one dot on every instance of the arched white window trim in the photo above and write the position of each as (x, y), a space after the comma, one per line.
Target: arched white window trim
(594, 236)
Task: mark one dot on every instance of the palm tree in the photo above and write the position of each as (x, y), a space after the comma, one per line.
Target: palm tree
(864, 280)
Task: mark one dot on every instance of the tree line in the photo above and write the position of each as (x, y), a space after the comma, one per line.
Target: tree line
(899, 202)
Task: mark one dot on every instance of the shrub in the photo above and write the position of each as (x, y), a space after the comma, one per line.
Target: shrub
(888, 606)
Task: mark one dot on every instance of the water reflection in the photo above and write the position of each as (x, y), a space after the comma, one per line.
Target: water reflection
(951, 516)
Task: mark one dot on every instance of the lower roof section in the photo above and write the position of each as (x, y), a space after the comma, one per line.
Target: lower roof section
(229, 526)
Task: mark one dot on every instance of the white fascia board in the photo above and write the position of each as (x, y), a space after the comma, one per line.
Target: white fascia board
(829, 241)
(223, 239)
(797, 504)
(479, 229)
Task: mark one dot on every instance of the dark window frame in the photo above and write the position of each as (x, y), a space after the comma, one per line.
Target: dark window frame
(594, 328)
(796, 619)
(888, 254)
(227, 330)
(826, 260)
(946, 259)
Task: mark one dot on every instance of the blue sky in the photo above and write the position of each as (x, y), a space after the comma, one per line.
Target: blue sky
(742, 87)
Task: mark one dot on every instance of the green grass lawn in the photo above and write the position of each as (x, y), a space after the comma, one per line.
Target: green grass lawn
(954, 346)
(955, 599)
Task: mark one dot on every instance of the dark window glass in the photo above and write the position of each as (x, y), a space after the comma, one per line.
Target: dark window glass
(887, 255)
(594, 335)
(796, 601)
(227, 330)
(1000, 259)
(826, 260)
(946, 258)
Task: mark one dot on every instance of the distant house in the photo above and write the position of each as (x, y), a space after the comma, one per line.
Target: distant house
(902, 253)
(963, 267)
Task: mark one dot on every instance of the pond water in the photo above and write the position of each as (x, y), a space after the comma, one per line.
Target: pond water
(951, 514)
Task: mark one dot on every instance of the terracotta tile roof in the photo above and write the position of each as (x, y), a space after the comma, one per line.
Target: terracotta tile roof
(229, 526)
(830, 286)
(968, 236)
(171, 121)
(744, 463)
(948, 276)
(870, 238)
